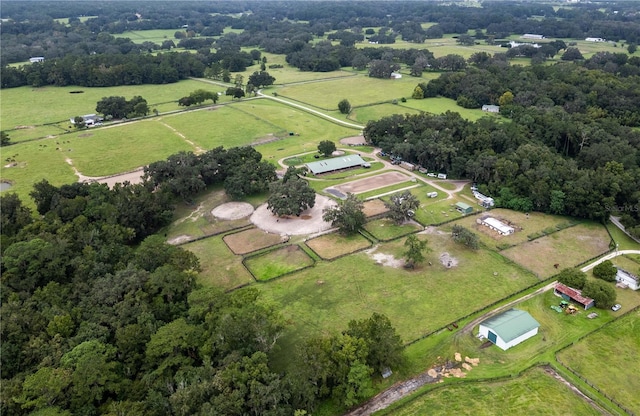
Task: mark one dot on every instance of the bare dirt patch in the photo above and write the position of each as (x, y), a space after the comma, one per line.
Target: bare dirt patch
(374, 207)
(85, 135)
(251, 240)
(265, 139)
(309, 221)
(180, 239)
(383, 259)
(354, 141)
(131, 177)
(373, 182)
(331, 246)
(433, 230)
(232, 210)
(448, 261)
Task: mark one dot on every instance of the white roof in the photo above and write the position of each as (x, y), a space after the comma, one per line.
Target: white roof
(498, 225)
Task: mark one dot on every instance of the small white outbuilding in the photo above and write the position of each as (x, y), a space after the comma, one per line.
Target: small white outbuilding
(509, 328)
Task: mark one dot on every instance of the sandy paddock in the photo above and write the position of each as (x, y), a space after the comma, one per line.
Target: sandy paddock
(309, 222)
(354, 141)
(373, 182)
(374, 207)
(232, 210)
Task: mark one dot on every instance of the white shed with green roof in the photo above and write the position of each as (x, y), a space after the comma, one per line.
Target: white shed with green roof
(509, 328)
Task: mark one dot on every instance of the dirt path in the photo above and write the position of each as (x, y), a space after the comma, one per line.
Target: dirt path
(553, 373)
(199, 149)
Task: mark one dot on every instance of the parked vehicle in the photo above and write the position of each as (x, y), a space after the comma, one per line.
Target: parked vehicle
(616, 307)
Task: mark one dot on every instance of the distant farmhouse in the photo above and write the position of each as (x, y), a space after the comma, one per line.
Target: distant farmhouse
(628, 279)
(509, 328)
(337, 164)
(36, 59)
(491, 108)
(515, 44)
(532, 36)
(568, 293)
(89, 119)
(595, 40)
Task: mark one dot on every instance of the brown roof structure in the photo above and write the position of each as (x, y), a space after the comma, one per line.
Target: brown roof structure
(574, 294)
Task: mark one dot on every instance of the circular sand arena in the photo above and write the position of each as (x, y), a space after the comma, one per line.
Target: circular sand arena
(232, 210)
(309, 222)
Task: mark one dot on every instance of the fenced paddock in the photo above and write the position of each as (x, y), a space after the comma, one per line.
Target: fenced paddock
(334, 245)
(278, 262)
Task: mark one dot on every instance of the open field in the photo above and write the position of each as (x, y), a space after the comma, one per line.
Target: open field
(358, 90)
(376, 112)
(567, 248)
(251, 240)
(37, 106)
(154, 35)
(278, 262)
(374, 207)
(385, 229)
(619, 377)
(220, 268)
(377, 192)
(330, 246)
(526, 225)
(416, 302)
(437, 210)
(535, 392)
(439, 105)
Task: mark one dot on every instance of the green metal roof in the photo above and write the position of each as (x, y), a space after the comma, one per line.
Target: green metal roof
(511, 324)
(463, 206)
(337, 163)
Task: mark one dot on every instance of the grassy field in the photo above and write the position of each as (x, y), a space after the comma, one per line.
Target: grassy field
(439, 105)
(360, 90)
(535, 392)
(619, 377)
(250, 240)
(278, 262)
(37, 106)
(526, 225)
(416, 302)
(567, 248)
(376, 112)
(384, 229)
(220, 268)
(155, 35)
(330, 246)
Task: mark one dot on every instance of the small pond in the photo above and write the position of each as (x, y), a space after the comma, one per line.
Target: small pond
(4, 186)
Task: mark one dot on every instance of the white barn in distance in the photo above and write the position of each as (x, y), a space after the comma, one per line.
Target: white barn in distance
(509, 328)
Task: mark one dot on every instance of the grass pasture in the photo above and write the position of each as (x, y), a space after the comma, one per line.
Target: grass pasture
(568, 248)
(535, 393)
(360, 90)
(437, 210)
(439, 105)
(385, 229)
(617, 345)
(121, 148)
(276, 263)
(220, 268)
(153, 35)
(36, 106)
(527, 226)
(250, 240)
(416, 302)
(376, 112)
(331, 246)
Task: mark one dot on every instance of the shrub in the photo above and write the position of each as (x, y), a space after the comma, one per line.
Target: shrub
(605, 271)
(573, 278)
(602, 293)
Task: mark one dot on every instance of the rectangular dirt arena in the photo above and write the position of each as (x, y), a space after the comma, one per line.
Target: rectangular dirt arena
(373, 182)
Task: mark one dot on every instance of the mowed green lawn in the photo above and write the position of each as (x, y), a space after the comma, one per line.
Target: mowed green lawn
(535, 393)
(439, 105)
(609, 359)
(416, 302)
(27, 106)
(155, 35)
(360, 90)
(376, 112)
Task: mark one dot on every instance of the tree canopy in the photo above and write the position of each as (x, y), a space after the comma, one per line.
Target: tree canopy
(347, 215)
(290, 196)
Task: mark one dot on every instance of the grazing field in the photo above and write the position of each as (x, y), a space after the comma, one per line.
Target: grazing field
(535, 392)
(377, 192)
(251, 240)
(439, 105)
(437, 210)
(567, 248)
(36, 106)
(416, 302)
(278, 262)
(121, 148)
(374, 207)
(527, 226)
(376, 112)
(153, 35)
(220, 268)
(385, 229)
(330, 246)
(360, 90)
(223, 126)
(617, 345)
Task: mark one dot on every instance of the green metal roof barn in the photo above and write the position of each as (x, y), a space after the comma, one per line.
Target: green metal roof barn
(509, 328)
(336, 163)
